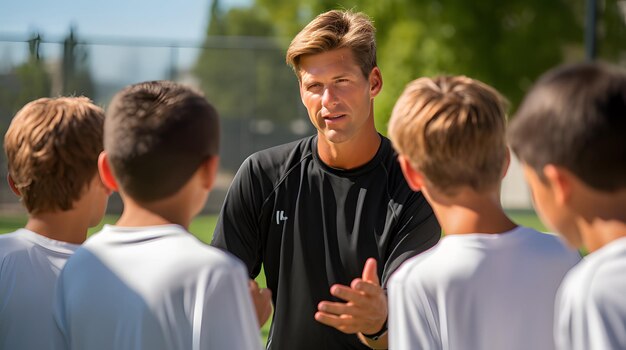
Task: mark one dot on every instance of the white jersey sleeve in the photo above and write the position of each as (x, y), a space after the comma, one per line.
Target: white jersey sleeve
(591, 303)
(227, 300)
(411, 321)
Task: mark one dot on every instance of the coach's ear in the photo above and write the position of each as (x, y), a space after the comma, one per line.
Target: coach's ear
(414, 178)
(12, 185)
(106, 174)
(376, 82)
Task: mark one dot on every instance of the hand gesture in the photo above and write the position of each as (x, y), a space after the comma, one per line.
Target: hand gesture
(365, 309)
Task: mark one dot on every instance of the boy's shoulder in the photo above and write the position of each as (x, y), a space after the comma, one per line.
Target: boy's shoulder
(164, 242)
(470, 250)
(24, 239)
(600, 278)
(12, 242)
(549, 247)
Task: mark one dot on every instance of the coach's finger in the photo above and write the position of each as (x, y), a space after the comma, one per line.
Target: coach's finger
(347, 293)
(342, 323)
(338, 308)
(370, 271)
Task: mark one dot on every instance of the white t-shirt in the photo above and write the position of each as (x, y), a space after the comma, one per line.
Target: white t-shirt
(29, 268)
(479, 291)
(591, 304)
(154, 288)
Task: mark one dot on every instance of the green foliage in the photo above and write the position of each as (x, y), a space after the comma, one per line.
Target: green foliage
(27, 82)
(31, 79)
(505, 44)
(612, 30)
(75, 76)
(246, 82)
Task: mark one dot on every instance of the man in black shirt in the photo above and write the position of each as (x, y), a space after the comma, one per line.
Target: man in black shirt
(313, 211)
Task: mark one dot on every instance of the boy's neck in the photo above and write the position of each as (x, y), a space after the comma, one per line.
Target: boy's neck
(470, 212)
(66, 226)
(602, 233)
(602, 219)
(163, 212)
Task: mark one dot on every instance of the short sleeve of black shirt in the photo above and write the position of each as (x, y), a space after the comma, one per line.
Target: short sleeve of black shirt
(312, 226)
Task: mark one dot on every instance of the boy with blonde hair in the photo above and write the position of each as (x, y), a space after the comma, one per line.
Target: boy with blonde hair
(488, 284)
(570, 134)
(52, 148)
(147, 283)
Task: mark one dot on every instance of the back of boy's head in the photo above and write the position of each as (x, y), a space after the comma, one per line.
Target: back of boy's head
(52, 148)
(575, 117)
(156, 135)
(452, 129)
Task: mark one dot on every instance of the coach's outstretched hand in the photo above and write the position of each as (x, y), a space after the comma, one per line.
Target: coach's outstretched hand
(365, 309)
(262, 300)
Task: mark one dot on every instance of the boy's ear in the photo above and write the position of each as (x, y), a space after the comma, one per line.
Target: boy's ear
(106, 174)
(560, 182)
(376, 81)
(209, 171)
(414, 178)
(12, 185)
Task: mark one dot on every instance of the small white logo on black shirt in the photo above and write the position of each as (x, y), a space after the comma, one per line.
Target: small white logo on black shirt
(280, 216)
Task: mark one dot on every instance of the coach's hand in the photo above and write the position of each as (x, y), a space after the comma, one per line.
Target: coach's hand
(262, 300)
(365, 309)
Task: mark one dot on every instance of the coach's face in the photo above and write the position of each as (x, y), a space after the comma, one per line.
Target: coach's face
(338, 98)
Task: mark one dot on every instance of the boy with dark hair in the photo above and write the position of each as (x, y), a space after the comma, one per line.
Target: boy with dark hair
(570, 134)
(147, 283)
(52, 148)
(488, 284)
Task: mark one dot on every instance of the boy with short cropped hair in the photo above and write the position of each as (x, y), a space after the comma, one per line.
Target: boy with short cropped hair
(570, 134)
(488, 284)
(52, 148)
(147, 283)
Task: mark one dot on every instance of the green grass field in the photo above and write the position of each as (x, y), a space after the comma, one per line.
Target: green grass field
(202, 227)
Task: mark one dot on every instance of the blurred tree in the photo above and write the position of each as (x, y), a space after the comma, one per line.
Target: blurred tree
(25, 82)
(75, 76)
(611, 31)
(242, 69)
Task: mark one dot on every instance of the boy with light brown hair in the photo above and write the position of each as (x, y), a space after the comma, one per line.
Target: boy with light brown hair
(52, 148)
(489, 283)
(570, 134)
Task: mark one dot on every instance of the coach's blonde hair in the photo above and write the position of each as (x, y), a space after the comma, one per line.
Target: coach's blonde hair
(452, 129)
(52, 148)
(336, 30)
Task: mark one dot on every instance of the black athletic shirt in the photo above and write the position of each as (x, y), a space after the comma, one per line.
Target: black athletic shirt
(312, 226)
